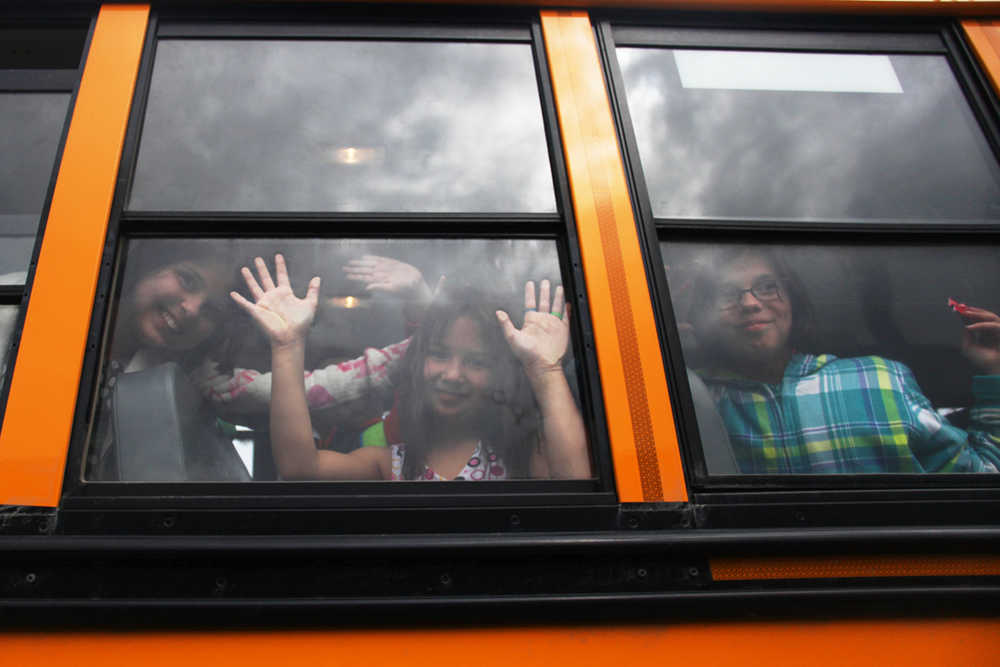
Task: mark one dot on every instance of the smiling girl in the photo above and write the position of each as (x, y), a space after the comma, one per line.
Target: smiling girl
(479, 398)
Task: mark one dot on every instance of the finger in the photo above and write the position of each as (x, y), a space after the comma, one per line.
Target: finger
(979, 314)
(543, 296)
(508, 328)
(265, 275)
(984, 327)
(252, 285)
(312, 294)
(566, 313)
(529, 295)
(242, 301)
(281, 271)
(360, 276)
(438, 287)
(558, 301)
(353, 267)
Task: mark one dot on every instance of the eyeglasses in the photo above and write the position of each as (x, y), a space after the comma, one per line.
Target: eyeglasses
(766, 289)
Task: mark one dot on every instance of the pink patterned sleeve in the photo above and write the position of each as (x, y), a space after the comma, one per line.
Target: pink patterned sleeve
(246, 390)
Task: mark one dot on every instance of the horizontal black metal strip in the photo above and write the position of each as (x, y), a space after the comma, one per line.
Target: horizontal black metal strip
(976, 539)
(315, 495)
(38, 80)
(466, 611)
(915, 493)
(286, 30)
(343, 225)
(11, 294)
(909, 228)
(876, 42)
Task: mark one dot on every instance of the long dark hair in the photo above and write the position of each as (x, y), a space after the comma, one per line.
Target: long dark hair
(510, 425)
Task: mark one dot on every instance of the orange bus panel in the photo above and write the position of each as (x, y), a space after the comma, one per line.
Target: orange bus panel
(911, 642)
(640, 421)
(985, 39)
(835, 567)
(42, 400)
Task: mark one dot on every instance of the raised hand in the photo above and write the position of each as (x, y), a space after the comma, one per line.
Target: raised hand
(981, 338)
(541, 343)
(388, 275)
(281, 315)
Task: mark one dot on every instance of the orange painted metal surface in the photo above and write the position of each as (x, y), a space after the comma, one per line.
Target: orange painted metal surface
(967, 642)
(974, 8)
(640, 421)
(39, 416)
(985, 39)
(836, 567)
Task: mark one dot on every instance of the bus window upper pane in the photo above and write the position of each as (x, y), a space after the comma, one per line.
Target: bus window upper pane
(343, 126)
(841, 358)
(30, 127)
(804, 136)
(400, 375)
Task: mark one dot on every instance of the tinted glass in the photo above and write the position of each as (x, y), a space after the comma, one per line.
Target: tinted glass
(741, 134)
(343, 126)
(842, 359)
(395, 361)
(8, 315)
(30, 127)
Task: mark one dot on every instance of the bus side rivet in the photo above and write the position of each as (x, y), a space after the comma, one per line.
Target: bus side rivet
(31, 577)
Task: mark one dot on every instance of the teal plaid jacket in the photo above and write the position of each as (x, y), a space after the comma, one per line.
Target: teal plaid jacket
(857, 415)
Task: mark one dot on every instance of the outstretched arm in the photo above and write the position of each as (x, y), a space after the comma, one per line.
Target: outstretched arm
(540, 346)
(285, 319)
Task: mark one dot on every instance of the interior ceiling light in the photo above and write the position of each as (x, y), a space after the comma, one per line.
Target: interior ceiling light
(355, 154)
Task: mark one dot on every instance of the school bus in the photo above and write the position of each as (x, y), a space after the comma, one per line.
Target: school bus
(674, 166)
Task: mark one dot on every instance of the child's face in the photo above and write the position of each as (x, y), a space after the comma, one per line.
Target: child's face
(458, 371)
(178, 307)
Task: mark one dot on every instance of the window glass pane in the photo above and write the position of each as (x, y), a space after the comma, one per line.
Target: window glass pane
(741, 134)
(841, 358)
(8, 315)
(390, 376)
(343, 126)
(30, 128)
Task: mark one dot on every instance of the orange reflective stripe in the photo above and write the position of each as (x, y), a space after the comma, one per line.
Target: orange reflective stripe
(640, 421)
(985, 39)
(39, 417)
(836, 567)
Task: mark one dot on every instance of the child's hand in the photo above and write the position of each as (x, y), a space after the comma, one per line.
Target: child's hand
(388, 275)
(541, 343)
(981, 338)
(281, 315)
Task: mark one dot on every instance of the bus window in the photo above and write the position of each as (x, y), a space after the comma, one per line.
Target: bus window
(268, 125)
(31, 127)
(38, 72)
(808, 348)
(844, 359)
(8, 315)
(807, 136)
(414, 359)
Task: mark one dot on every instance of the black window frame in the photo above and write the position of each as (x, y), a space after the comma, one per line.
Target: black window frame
(47, 70)
(340, 507)
(791, 500)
